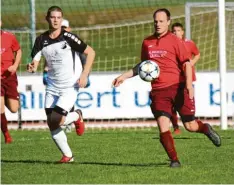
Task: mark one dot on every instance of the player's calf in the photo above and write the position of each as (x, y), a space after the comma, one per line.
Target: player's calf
(205, 128)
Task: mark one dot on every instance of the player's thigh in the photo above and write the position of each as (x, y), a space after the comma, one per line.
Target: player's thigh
(12, 104)
(11, 94)
(50, 102)
(162, 106)
(67, 99)
(2, 104)
(163, 123)
(162, 101)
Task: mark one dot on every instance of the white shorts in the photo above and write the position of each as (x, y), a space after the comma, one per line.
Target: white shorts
(63, 98)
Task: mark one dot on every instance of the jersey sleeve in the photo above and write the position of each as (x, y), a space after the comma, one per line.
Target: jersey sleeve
(75, 42)
(143, 52)
(36, 51)
(15, 44)
(181, 52)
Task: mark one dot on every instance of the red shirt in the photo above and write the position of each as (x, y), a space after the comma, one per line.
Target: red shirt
(169, 53)
(9, 45)
(192, 50)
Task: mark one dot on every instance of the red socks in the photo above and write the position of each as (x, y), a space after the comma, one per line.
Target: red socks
(3, 123)
(168, 144)
(202, 128)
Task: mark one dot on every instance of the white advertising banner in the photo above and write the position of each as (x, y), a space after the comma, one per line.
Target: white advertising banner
(130, 100)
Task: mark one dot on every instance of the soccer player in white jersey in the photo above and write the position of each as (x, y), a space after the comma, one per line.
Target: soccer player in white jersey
(65, 77)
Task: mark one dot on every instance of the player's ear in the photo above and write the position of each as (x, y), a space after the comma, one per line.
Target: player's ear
(168, 22)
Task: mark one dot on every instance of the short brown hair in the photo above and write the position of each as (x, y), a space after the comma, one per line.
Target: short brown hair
(166, 11)
(54, 8)
(177, 24)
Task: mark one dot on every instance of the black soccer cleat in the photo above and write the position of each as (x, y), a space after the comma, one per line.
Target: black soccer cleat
(213, 136)
(175, 164)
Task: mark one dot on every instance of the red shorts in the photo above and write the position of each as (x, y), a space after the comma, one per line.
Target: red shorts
(9, 88)
(183, 104)
(167, 99)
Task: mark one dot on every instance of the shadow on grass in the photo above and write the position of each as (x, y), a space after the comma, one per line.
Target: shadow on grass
(192, 138)
(183, 137)
(28, 161)
(126, 164)
(87, 163)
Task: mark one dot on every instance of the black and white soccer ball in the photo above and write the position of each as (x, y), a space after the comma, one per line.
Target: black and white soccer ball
(148, 70)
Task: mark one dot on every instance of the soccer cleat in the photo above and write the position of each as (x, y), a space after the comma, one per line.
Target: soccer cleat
(8, 138)
(79, 124)
(175, 164)
(66, 159)
(213, 136)
(177, 131)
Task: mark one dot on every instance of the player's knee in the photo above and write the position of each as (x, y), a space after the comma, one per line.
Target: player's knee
(14, 109)
(158, 114)
(189, 123)
(58, 115)
(163, 120)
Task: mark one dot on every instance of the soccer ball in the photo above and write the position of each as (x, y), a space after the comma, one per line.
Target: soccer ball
(148, 70)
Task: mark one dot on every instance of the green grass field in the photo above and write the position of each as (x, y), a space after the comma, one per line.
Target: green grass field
(117, 157)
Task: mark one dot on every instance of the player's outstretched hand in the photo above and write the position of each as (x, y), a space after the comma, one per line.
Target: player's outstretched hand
(117, 81)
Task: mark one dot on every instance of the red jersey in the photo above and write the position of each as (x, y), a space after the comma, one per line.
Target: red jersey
(192, 50)
(169, 53)
(9, 45)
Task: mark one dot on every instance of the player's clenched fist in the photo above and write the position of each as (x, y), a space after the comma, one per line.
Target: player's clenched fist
(31, 67)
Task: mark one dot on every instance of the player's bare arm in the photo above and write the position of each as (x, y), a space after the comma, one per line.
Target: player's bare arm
(13, 68)
(87, 67)
(129, 74)
(188, 75)
(32, 67)
(195, 59)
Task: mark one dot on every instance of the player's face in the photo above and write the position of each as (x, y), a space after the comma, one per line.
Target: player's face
(55, 20)
(161, 23)
(178, 31)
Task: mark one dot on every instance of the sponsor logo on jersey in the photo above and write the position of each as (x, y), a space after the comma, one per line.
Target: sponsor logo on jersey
(73, 37)
(45, 42)
(157, 53)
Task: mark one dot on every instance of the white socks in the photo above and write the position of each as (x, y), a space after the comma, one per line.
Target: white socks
(60, 140)
(71, 117)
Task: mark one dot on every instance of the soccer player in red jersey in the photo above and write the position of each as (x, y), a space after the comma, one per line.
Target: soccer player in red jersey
(10, 59)
(173, 88)
(194, 55)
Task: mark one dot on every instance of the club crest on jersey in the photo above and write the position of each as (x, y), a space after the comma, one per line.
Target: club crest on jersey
(64, 45)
